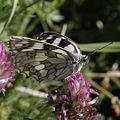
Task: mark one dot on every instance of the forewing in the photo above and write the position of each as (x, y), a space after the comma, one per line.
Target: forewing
(61, 41)
(39, 60)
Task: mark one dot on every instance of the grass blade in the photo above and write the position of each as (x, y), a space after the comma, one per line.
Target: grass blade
(113, 48)
(11, 15)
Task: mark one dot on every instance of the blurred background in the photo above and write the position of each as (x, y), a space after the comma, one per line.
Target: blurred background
(90, 23)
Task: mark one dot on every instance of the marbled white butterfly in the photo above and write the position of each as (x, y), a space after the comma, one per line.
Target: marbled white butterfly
(50, 57)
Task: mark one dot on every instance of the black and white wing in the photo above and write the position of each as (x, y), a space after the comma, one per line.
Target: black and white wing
(40, 60)
(68, 45)
(61, 41)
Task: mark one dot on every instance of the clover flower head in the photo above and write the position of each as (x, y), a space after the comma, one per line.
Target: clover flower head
(6, 68)
(74, 102)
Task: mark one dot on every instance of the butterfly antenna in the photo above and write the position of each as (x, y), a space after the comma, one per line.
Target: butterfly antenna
(94, 51)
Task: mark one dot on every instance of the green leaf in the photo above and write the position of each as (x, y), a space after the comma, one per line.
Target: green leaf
(113, 48)
(11, 15)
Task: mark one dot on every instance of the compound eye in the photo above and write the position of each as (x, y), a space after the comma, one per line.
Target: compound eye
(85, 59)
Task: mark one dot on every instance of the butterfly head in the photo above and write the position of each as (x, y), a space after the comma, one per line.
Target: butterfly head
(83, 60)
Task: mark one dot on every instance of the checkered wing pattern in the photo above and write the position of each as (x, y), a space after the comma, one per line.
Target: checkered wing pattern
(61, 41)
(41, 60)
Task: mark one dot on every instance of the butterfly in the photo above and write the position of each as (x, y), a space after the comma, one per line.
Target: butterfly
(49, 57)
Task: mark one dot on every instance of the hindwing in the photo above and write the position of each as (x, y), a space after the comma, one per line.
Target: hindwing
(41, 60)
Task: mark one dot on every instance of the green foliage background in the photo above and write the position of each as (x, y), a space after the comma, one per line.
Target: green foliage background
(90, 23)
